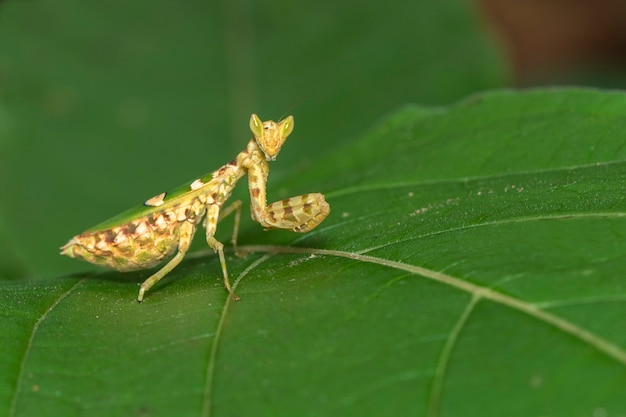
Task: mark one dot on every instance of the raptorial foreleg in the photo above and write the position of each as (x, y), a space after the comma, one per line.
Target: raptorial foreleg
(298, 214)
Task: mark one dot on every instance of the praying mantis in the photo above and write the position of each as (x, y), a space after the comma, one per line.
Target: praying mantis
(165, 224)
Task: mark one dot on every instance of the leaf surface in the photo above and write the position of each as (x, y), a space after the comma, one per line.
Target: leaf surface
(473, 264)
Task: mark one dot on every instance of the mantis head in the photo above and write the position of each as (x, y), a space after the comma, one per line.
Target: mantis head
(270, 135)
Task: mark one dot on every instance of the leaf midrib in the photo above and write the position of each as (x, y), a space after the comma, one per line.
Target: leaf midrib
(480, 292)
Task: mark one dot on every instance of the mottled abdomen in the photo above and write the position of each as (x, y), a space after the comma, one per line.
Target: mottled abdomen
(139, 244)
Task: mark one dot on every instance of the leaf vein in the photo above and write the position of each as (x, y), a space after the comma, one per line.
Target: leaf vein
(207, 404)
(29, 345)
(602, 345)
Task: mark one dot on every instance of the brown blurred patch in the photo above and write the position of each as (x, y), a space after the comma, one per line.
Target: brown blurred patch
(552, 39)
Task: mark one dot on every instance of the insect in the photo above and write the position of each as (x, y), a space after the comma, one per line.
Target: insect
(165, 224)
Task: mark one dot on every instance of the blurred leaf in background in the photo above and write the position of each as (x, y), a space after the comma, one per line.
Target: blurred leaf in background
(111, 102)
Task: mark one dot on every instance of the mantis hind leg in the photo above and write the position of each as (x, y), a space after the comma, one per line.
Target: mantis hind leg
(186, 231)
(298, 214)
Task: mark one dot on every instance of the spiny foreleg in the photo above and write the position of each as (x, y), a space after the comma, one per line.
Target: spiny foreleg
(299, 214)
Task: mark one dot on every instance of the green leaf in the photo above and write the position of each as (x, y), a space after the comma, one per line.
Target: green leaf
(472, 264)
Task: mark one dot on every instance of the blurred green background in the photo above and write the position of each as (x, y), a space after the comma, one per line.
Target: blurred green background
(104, 104)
